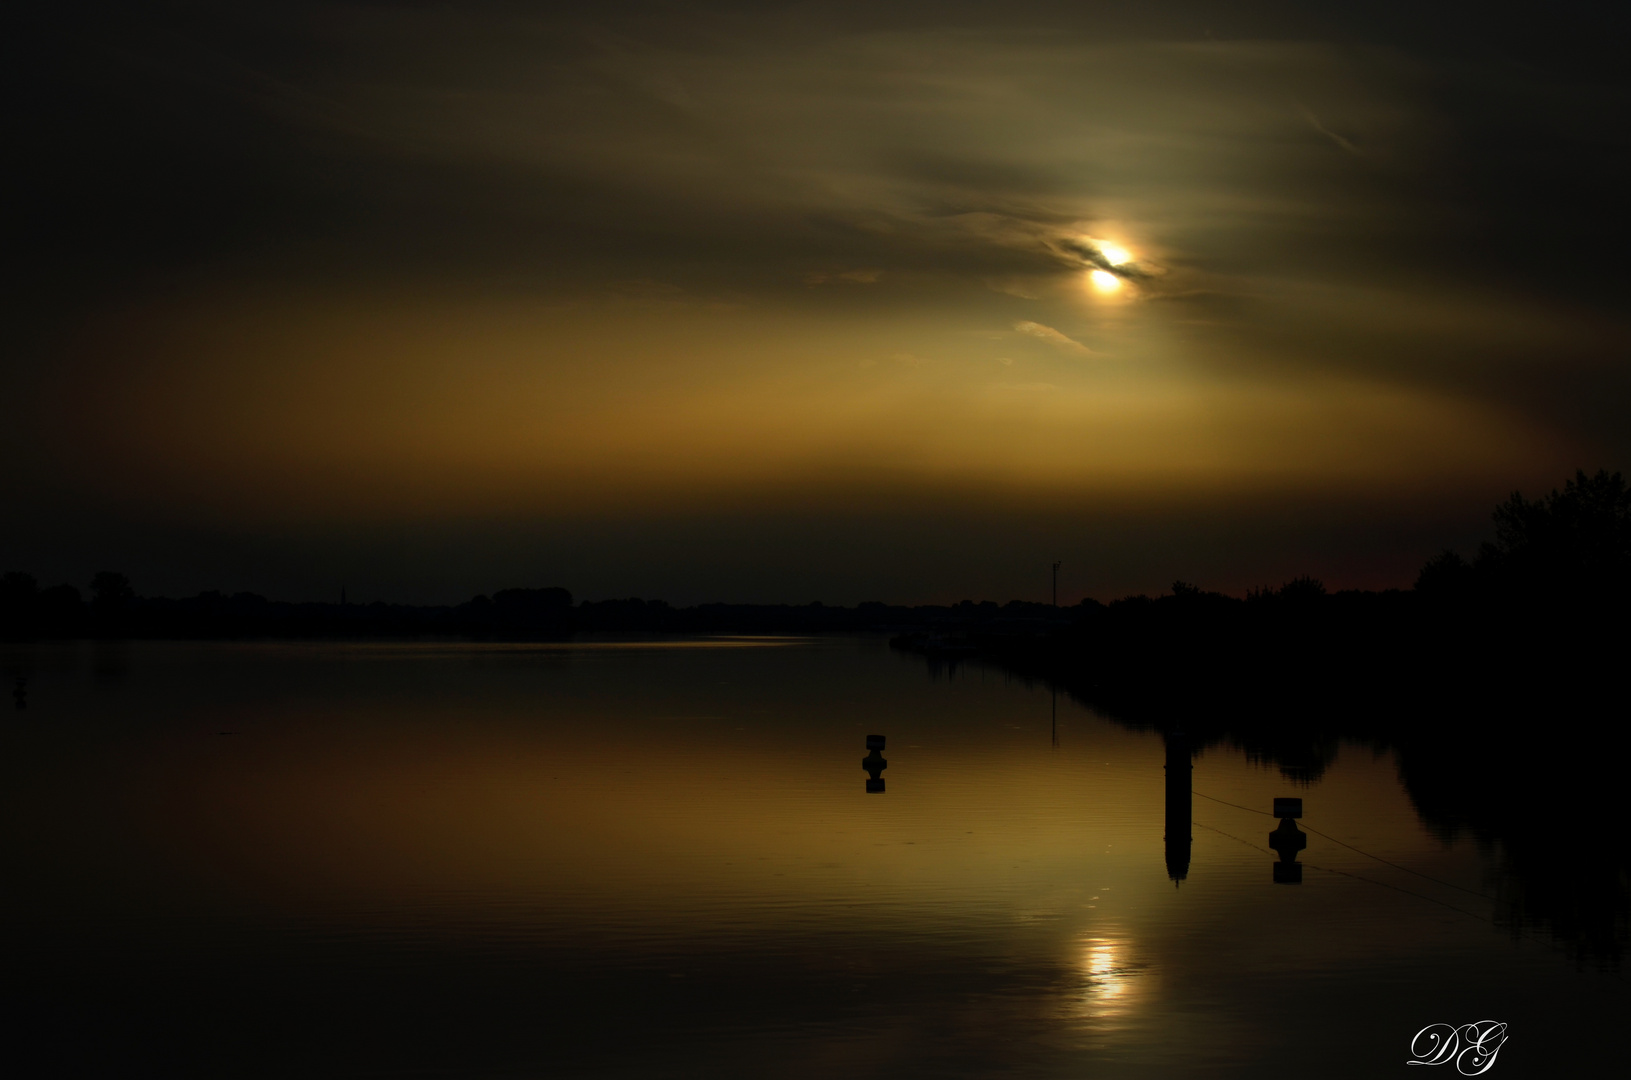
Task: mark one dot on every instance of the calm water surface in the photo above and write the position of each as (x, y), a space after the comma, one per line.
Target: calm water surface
(660, 859)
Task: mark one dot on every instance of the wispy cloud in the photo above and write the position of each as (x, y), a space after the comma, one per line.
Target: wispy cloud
(1342, 143)
(1094, 255)
(1054, 337)
(864, 276)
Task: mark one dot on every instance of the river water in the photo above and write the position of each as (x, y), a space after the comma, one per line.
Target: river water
(660, 858)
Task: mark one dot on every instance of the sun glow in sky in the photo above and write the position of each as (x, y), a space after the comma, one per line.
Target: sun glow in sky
(781, 307)
(1116, 256)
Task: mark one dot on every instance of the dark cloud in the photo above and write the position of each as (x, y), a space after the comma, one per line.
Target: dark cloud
(1093, 255)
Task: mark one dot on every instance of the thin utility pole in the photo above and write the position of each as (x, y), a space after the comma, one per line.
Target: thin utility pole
(1056, 583)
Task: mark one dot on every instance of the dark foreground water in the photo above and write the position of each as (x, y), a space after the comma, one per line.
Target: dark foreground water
(660, 859)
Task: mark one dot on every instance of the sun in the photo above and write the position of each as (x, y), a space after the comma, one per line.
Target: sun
(1110, 257)
(1114, 254)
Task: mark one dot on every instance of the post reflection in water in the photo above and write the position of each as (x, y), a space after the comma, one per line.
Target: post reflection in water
(1179, 805)
(874, 764)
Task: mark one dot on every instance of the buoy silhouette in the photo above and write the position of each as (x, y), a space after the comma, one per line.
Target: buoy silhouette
(1288, 840)
(874, 764)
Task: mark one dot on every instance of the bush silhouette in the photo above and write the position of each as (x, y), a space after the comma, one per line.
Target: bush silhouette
(111, 592)
(1571, 544)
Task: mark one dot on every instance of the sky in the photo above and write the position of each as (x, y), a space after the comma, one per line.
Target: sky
(801, 301)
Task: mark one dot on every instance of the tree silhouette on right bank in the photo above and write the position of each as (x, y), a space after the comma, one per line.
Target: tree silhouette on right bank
(1569, 548)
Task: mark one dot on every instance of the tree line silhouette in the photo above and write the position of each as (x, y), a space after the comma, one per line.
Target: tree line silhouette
(1556, 567)
(114, 610)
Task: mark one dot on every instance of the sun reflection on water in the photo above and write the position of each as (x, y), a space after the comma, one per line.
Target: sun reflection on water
(1111, 984)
